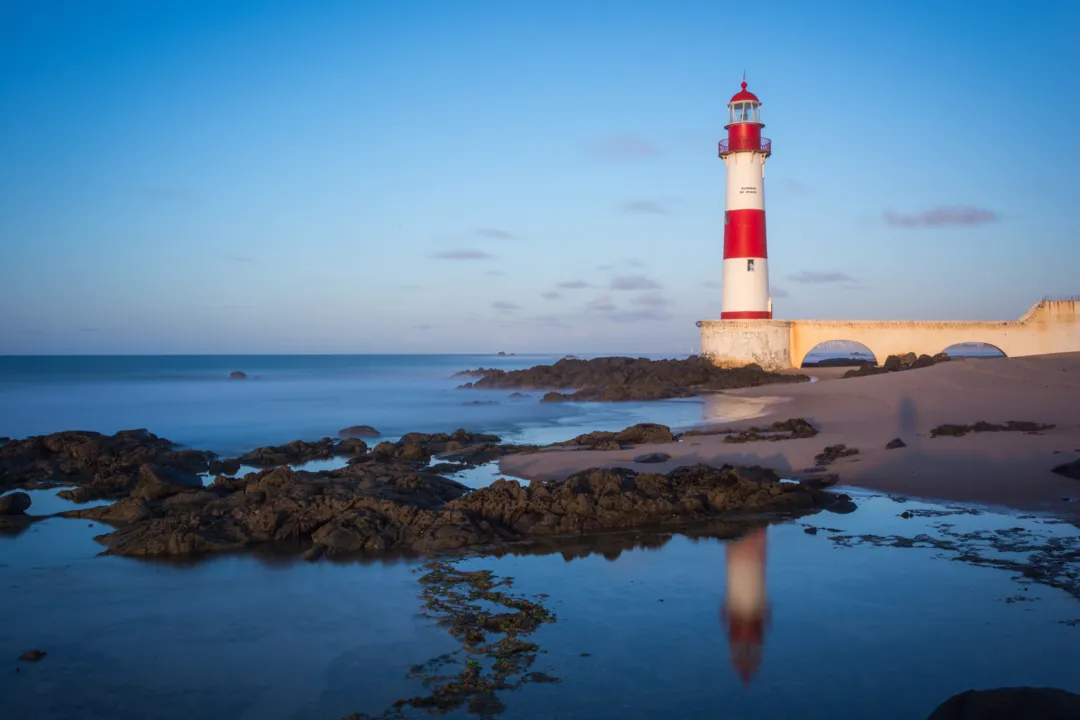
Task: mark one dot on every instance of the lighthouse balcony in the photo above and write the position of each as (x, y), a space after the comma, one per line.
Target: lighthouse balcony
(745, 144)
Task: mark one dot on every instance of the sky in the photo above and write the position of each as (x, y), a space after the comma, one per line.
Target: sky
(288, 176)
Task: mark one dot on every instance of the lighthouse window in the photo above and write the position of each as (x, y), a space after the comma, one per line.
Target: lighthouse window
(749, 266)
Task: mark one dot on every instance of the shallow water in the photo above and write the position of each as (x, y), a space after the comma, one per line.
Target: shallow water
(858, 629)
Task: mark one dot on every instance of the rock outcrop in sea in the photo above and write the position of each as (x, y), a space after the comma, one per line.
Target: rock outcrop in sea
(610, 379)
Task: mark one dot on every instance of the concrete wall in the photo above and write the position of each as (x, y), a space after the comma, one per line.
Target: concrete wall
(734, 343)
(1050, 326)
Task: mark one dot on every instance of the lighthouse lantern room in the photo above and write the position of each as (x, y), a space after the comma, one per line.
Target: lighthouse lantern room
(745, 294)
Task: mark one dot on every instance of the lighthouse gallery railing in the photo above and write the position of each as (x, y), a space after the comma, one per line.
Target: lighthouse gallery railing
(731, 145)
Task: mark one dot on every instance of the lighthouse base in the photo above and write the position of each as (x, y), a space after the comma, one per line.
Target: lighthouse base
(1051, 326)
(735, 343)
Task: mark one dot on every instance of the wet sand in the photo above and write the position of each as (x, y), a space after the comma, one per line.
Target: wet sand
(1007, 469)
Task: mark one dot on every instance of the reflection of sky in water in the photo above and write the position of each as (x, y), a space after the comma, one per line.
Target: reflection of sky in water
(856, 632)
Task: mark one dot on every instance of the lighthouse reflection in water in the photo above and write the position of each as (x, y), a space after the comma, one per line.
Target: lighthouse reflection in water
(745, 609)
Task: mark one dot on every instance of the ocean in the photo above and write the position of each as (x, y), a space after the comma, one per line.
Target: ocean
(191, 400)
(880, 613)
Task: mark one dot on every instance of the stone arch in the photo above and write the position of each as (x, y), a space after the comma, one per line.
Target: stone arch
(982, 349)
(842, 349)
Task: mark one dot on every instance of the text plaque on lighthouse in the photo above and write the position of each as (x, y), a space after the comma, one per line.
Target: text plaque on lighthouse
(745, 294)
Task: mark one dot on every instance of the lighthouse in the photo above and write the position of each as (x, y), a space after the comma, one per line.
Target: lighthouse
(746, 265)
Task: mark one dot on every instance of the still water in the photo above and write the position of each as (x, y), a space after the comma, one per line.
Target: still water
(859, 623)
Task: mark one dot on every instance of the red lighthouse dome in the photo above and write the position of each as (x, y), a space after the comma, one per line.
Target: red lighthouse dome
(744, 95)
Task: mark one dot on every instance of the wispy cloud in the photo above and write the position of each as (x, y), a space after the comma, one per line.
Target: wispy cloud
(956, 215)
(650, 299)
(550, 295)
(714, 284)
(422, 326)
(574, 284)
(496, 233)
(604, 303)
(629, 316)
(412, 287)
(814, 277)
(633, 282)
(463, 254)
(779, 292)
(625, 147)
(644, 207)
(88, 330)
(503, 306)
(245, 259)
(494, 272)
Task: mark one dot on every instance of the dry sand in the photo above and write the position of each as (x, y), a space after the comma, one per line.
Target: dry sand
(1008, 469)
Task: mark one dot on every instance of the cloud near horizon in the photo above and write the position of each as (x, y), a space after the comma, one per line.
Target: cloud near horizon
(496, 233)
(779, 292)
(937, 217)
(503, 306)
(625, 147)
(814, 277)
(463, 254)
(633, 282)
(574, 285)
(550, 295)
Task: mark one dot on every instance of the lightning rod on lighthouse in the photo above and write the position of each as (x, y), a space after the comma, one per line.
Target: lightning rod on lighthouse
(745, 294)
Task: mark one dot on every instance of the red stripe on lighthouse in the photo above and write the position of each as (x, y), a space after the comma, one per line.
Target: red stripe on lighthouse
(744, 234)
(746, 315)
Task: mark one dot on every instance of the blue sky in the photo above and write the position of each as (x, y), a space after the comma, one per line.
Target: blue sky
(406, 176)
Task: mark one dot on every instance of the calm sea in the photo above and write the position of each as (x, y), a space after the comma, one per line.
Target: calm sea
(872, 614)
(190, 399)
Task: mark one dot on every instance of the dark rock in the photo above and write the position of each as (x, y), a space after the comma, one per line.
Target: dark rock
(295, 453)
(518, 395)
(842, 505)
(983, 426)
(820, 481)
(16, 503)
(1010, 703)
(1069, 470)
(895, 443)
(833, 453)
(101, 466)
(350, 447)
(613, 379)
(358, 431)
(32, 656)
(390, 504)
(157, 482)
(640, 434)
(480, 402)
(896, 363)
(237, 375)
(224, 467)
(657, 457)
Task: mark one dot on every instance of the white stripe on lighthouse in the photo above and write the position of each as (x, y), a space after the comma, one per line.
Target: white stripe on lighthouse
(745, 181)
(745, 289)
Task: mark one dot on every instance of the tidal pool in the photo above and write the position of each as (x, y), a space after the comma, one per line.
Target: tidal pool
(867, 614)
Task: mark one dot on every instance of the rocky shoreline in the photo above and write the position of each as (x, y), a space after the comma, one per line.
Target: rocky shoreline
(615, 379)
(386, 498)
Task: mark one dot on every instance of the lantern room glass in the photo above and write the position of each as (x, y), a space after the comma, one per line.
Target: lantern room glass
(741, 112)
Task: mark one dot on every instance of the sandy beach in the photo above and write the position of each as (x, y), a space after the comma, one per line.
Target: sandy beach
(1005, 469)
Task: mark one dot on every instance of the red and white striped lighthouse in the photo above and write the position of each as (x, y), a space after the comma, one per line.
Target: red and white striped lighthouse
(746, 265)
